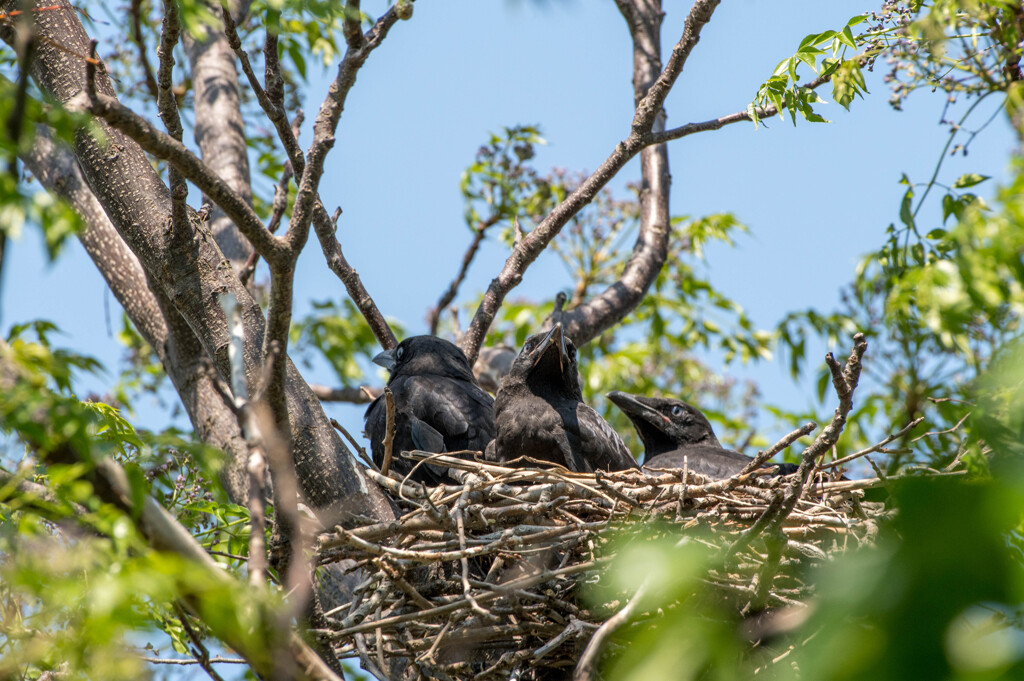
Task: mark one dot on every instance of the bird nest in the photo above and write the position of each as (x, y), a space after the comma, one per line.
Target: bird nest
(483, 580)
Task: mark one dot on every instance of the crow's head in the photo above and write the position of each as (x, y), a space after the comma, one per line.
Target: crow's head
(547, 364)
(425, 356)
(664, 424)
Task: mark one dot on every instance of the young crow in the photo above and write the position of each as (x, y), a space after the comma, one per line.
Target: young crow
(672, 429)
(539, 412)
(439, 406)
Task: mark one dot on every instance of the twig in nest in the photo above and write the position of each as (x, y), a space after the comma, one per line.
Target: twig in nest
(389, 428)
(355, 445)
(586, 670)
(460, 525)
(766, 454)
(874, 448)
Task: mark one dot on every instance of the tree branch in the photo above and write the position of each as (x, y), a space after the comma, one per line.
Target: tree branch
(167, 106)
(164, 533)
(140, 42)
(220, 131)
(183, 358)
(650, 251)
(537, 240)
(586, 668)
(434, 315)
(728, 119)
(189, 270)
(360, 395)
(165, 147)
(323, 224)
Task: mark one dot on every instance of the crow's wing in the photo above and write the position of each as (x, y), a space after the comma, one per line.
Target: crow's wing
(601, 446)
(459, 410)
(714, 462)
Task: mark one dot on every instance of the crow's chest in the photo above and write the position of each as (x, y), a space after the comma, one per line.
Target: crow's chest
(539, 428)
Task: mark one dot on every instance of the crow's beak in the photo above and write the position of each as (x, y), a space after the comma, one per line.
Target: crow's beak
(386, 359)
(554, 338)
(635, 409)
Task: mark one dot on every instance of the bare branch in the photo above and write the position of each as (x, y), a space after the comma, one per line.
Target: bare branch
(257, 463)
(220, 129)
(586, 669)
(537, 240)
(163, 532)
(650, 251)
(763, 456)
(187, 364)
(190, 660)
(353, 28)
(389, 430)
(167, 148)
(324, 225)
(167, 106)
(288, 134)
(140, 42)
(361, 395)
(875, 447)
(434, 315)
(722, 121)
(188, 269)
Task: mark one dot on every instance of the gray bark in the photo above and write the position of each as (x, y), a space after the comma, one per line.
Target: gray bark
(184, 359)
(220, 131)
(187, 267)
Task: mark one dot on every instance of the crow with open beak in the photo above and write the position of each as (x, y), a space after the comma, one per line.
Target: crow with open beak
(672, 430)
(439, 406)
(539, 412)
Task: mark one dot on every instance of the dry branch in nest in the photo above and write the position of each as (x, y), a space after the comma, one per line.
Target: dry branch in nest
(483, 580)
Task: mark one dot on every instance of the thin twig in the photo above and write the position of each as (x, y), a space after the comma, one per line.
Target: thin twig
(140, 42)
(190, 661)
(434, 315)
(389, 430)
(873, 448)
(534, 243)
(586, 670)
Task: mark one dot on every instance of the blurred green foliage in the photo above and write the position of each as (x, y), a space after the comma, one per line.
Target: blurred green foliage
(941, 301)
(78, 584)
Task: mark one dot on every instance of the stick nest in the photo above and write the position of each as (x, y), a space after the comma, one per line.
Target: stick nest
(483, 580)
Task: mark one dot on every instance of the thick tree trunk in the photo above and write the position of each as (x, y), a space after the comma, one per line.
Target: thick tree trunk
(186, 362)
(188, 269)
(220, 131)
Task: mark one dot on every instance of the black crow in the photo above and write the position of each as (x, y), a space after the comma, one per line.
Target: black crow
(439, 406)
(672, 429)
(539, 412)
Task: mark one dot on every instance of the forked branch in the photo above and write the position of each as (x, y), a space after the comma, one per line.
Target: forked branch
(534, 243)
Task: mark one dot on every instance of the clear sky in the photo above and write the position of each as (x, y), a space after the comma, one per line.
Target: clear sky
(816, 197)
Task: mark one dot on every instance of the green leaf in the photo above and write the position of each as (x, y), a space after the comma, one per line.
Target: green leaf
(969, 180)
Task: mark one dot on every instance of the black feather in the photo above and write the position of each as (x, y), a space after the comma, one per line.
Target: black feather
(439, 406)
(539, 412)
(675, 434)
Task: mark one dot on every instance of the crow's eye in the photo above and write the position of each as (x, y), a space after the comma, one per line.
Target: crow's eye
(528, 347)
(677, 410)
(572, 352)
(399, 352)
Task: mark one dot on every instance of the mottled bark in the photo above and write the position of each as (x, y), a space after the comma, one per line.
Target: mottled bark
(189, 269)
(183, 358)
(220, 131)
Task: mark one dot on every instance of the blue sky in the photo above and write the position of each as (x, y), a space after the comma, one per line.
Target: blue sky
(816, 197)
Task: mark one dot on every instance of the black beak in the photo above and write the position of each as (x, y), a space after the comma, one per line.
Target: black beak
(386, 359)
(637, 410)
(554, 339)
